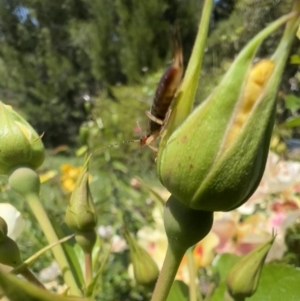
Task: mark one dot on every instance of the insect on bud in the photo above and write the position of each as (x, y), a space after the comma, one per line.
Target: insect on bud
(215, 159)
(20, 144)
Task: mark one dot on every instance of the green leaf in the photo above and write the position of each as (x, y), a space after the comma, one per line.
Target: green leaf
(278, 282)
(219, 293)
(293, 122)
(70, 254)
(28, 262)
(117, 165)
(19, 290)
(295, 59)
(292, 102)
(179, 292)
(223, 264)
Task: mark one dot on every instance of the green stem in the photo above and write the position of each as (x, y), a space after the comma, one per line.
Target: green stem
(167, 275)
(88, 268)
(189, 84)
(26, 273)
(194, 292)
(42, 218)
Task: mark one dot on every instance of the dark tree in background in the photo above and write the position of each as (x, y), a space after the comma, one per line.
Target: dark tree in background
(54, 52)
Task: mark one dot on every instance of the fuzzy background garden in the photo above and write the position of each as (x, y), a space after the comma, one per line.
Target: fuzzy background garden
(83, 73)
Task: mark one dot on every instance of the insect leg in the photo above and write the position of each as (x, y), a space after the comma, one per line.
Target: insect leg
(153, 118)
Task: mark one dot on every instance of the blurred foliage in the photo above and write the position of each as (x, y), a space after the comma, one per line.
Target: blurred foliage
(54, 55)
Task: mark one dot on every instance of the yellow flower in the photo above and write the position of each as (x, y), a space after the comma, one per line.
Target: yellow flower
(69, 176)
(48, 175)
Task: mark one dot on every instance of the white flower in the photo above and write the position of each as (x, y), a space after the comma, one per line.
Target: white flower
(13, 218)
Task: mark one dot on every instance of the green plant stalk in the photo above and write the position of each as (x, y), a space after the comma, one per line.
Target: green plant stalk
(42, 218)
(88, 268)
(189, 85)
(26, 273)
(167, 274)
(194, 292)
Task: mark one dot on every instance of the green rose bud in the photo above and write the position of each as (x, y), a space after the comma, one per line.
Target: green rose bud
(9, 252)
(80, 214)
(144, 268)
(20, 145)
(3, 229)
(215, 159)
(242, 280)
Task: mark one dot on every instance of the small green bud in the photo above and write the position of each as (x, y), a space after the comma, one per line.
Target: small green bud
(80, 214)
(25, 181)
(242, 280)
(215, 159)
(9, 253)
(20, 144)
(3, 229)
(144, 268)
(185, 226)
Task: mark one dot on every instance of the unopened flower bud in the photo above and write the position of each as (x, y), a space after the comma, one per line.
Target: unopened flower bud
(3, 229)
(20, 144)
(215, 159)
(25, 181)
(242, 280)
(80, 214)
(144, 268)
(9, 252)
